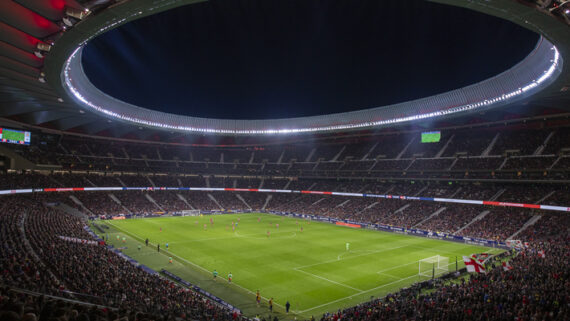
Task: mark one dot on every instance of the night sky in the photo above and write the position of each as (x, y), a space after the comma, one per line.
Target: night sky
(260, 59)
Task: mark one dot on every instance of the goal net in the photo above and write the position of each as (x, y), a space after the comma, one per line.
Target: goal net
(190, 212)
(433, 266)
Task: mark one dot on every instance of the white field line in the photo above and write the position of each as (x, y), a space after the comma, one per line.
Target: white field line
(381, 286)
(390, 275)
(257, 236)
(415, 262)
(235, 233)
(198, 266)
(330, 261)
(351, 257)
(362, 292)
(328, 280)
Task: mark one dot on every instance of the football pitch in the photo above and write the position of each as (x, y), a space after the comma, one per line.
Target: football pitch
(306, 263)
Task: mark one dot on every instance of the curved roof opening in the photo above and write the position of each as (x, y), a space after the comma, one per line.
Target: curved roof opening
(283, 59)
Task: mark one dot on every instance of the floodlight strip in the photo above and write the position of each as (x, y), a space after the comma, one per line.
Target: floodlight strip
(80, 97)
(262, 190)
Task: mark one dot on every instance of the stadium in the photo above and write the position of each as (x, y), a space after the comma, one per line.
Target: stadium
(368, 160)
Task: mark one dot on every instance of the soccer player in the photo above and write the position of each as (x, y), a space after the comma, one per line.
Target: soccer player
(167, 245)
(146, 242)
(287, 306)
(139, 247)
(271, 305)
(215, 274)
(257, 297)
(230, 277)
(170, 260)
(347, 246)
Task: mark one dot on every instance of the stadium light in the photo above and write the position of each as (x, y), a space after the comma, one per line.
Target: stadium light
(83, 92)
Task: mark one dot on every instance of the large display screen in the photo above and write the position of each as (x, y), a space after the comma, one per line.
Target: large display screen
(13, 136)
(431, 137)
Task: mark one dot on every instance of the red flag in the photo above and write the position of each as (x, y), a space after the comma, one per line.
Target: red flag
(507, 266)
(473, 265)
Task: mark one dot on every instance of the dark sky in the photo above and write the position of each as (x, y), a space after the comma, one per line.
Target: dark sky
(259, 59)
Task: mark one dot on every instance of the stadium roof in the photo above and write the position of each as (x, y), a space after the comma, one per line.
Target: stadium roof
(69, 102)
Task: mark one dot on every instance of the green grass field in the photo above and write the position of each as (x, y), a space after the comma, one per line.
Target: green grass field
(311, 268)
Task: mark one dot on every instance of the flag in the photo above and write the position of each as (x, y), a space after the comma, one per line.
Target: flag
(541, 254)
(481, 258)
(517, 244)
(507, 266)
(473, 265)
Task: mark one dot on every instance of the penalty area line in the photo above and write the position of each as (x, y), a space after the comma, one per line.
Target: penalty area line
(328, 280)
(195, 265)
(359, 293)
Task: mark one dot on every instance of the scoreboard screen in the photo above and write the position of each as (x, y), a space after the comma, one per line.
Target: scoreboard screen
(431, 137)
(13, 136)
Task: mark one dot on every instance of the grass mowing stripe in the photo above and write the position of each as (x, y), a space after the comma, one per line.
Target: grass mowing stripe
(186, 261)
(271, 263)
(362, 292)
(328, 280)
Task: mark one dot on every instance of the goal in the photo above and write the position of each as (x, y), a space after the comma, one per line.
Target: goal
(190, 212)
(433, 266)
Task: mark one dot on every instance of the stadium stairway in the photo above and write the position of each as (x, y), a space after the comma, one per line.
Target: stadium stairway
(489, 148)
(183, 199)
(31, 250)
(442, 150)
(150, 199)
(210, 196)
(243, 201)
(369, 152)
(497, 195)
(269, 197)
(71, 211)
(555, 162)
(19, 162)
(79, 203)
(545, 197)
(541, 148)
(308, 159)
(116, 200)
(405, 149)
(476, 219)
(432, 215)
(530, 222)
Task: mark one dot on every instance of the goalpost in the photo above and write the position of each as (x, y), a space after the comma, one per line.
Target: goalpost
(190, 212)
(433, 266)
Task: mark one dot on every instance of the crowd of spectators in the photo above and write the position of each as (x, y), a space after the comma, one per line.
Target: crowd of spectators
(88, 272)
(498, 224)
(536, 288)
(463, 155)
